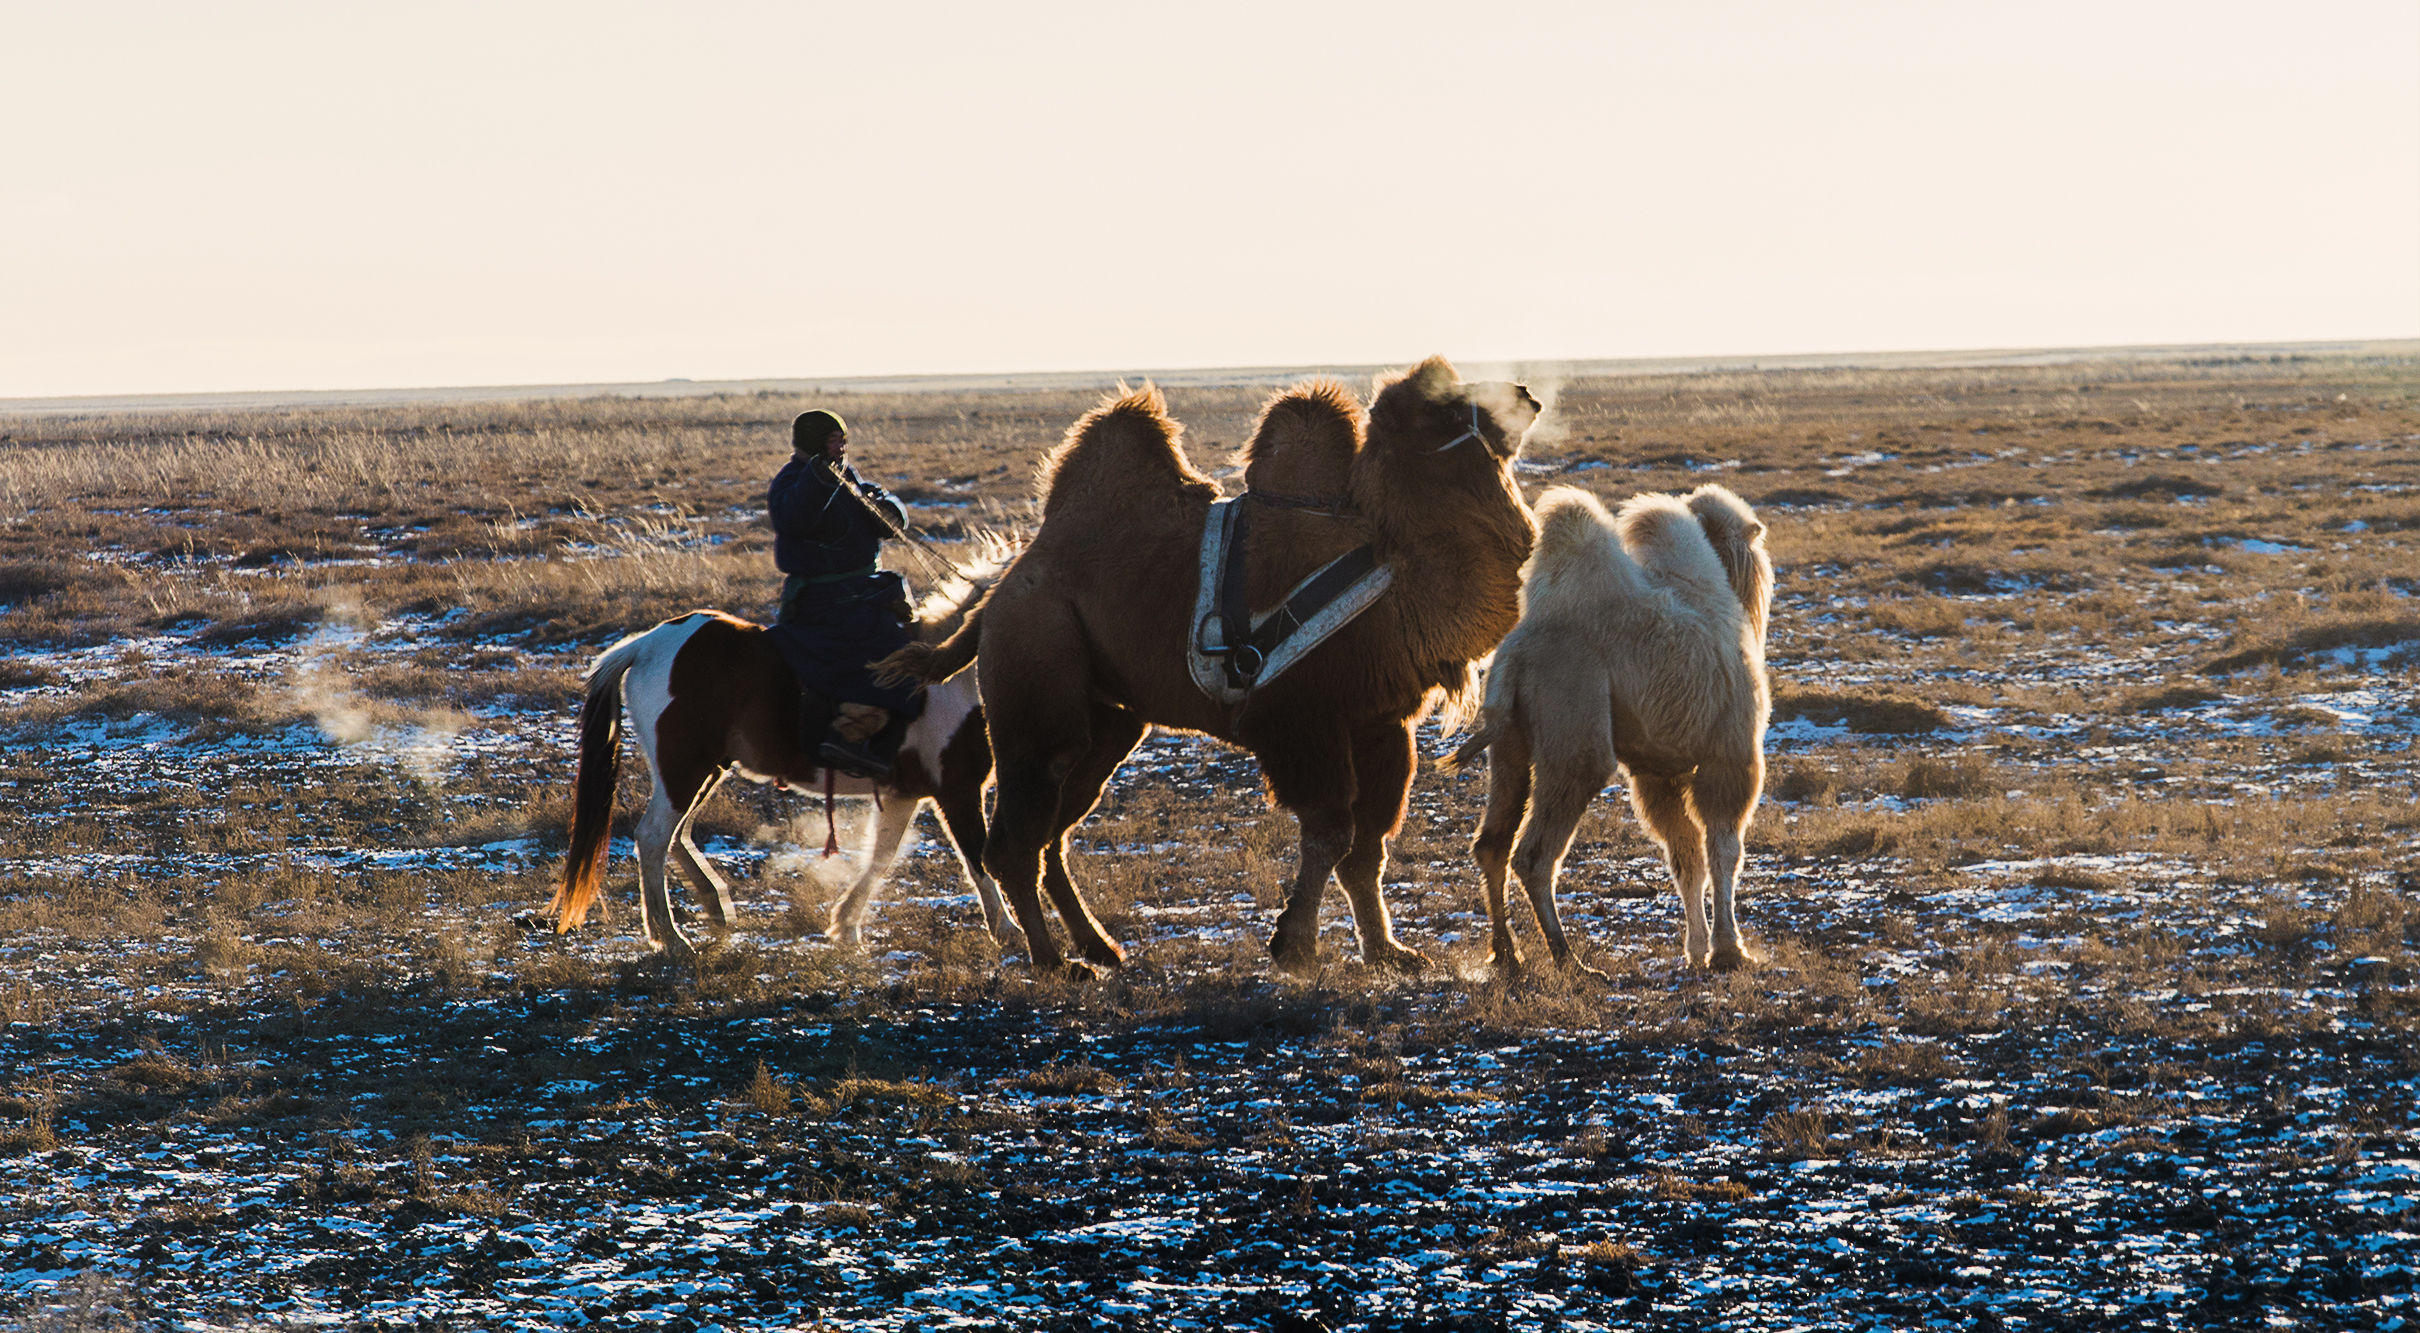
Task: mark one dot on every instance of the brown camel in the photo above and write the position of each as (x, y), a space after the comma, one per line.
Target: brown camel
(1642, 645)
(1083, 640)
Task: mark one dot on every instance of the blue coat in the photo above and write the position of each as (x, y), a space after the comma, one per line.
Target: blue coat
(817, 530)
(838, 612)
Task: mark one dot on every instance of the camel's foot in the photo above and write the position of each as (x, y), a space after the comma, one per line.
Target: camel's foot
(1072, 969)
(1506, 959)
(1105, 955)
(1296, 954)
(1733, 956)
(1388, 956)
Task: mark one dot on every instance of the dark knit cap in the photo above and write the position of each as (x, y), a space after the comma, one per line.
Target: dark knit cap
(811, 429)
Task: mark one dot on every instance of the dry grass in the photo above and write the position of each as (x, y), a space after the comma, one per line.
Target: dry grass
(2106, 562)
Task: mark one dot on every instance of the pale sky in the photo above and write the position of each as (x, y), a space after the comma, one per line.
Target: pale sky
(255, 196)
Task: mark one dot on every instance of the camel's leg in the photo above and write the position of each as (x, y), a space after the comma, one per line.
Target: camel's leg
(1724, 796)
(962, 816)
(1383, 761)
(1040, 731)
(1309, 769)
(846, 925)
(1566, 780)
(1115, 733)
(1012, 851)
(1507, 802)
(1663, 805)
(711, 889)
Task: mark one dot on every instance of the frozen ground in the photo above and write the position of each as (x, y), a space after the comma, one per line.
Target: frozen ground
(1237, 1150)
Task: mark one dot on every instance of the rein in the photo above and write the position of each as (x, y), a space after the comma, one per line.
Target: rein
(1318, 506)
(937, 566)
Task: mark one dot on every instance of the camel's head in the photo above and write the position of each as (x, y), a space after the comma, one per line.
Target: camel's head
(1430, 408)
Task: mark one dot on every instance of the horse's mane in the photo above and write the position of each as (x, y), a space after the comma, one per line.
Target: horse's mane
(1129, 434)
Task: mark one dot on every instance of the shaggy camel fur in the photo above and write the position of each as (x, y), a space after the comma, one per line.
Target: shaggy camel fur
(709, 695)
(1642, 645)
(1083, 641)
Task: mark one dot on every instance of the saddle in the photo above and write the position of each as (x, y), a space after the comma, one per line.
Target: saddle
(1232, 652)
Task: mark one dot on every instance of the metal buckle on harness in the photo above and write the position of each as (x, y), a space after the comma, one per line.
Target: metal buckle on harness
(1244, 664)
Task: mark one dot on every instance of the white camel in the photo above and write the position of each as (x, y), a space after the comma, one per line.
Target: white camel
(1641, 645)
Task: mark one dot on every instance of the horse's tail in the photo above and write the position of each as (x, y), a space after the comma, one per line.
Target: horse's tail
(592, 790)
(932, 663)
(1495, 713)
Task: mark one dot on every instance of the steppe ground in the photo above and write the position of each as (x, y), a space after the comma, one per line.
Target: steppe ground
(2087, 872)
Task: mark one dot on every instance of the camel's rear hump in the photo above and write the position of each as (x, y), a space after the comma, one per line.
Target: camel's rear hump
(1124, 450)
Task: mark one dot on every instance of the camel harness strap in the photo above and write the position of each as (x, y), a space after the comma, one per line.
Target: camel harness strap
(1232, 652)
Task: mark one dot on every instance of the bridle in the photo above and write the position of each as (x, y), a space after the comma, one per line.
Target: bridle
(1466, 436)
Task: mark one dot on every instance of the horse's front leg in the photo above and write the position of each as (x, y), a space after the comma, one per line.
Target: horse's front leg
(846, 924)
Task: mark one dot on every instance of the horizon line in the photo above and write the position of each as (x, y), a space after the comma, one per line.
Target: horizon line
(1185, 377)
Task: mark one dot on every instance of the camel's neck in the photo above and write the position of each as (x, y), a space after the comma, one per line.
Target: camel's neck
(1457, 556)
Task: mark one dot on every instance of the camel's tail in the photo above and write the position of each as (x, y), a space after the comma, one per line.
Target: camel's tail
(1495, 713)
(592, 791)
(932, 663)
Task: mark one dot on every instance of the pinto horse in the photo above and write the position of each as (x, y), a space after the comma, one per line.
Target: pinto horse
(709, 695)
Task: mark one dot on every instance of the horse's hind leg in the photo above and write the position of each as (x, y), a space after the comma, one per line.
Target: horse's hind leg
(655, 833)
(1724, 795)
(1507, 802)
(1382, 778)
(711, 889)
(1663, 805)
(1564, 785)
(846, 925)
(1115, 733)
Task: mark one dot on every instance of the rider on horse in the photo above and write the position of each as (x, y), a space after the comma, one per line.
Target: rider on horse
(839, 611)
